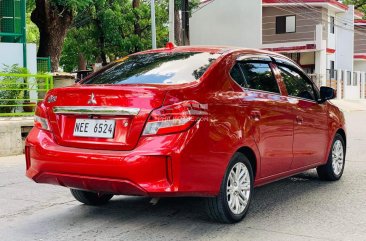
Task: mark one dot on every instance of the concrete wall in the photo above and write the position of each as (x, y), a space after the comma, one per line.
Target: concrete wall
(360, 66)
(11, 135)
(12, 53)
(307, 58)
(331, 37)
(345, 40)
(228, 22)
(306, 22)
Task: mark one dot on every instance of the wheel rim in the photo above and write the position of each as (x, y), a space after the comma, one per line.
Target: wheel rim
(337, 157)
(238, 188)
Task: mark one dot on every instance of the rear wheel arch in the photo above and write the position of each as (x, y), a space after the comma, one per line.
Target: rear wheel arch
(250, 154)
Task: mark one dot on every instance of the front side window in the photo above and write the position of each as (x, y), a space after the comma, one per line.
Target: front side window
(259, 76)
(285, 24)
(296, 84)
(156, 68)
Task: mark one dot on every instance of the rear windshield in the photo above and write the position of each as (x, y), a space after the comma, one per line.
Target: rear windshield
(156, 68)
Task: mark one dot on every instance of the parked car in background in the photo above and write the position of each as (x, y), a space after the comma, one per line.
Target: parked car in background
(212, 122)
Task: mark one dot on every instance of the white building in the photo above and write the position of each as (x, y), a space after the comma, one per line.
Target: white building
(12, 53)
(227, 22)
(318, 34)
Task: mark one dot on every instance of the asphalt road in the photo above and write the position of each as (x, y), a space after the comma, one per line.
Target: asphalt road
(297, 208)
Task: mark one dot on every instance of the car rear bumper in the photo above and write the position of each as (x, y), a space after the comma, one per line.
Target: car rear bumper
(118, 172)
(145, 171)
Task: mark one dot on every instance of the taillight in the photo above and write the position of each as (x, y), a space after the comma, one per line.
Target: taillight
(174, 118)
(40, 119)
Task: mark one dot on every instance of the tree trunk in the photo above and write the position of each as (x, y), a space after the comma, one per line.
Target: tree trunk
(53, 23)
(101, 39)
(177, 26)
(137, 27)
(103, 55)
(185, 22)
(82, 62)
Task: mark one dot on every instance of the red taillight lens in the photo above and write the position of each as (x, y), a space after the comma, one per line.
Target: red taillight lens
(174, 118)
(40, 119)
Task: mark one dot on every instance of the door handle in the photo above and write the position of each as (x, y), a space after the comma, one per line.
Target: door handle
(255, 115)
(299, 120)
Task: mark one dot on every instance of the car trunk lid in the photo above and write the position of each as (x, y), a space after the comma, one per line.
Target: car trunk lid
(127, 107)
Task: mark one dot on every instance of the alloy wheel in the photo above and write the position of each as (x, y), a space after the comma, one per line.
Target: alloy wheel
(238, 188)
(337, 157)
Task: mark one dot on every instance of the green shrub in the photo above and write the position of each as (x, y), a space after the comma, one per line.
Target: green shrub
(10, 88)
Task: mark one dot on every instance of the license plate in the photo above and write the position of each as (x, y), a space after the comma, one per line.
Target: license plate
(94, 128)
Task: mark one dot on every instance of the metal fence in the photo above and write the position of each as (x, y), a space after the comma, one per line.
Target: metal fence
(44, 65)
(12, 21)
(19, 93)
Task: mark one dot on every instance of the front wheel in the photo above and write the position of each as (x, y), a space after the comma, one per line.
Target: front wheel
(232, 203)
(333, 169)
(91, 198)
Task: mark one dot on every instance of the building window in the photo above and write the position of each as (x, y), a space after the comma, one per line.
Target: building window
(332, 69)
(332, 24)
(285, 24)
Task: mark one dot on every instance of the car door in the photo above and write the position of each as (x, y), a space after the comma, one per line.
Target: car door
(270, 123)
(309, 116)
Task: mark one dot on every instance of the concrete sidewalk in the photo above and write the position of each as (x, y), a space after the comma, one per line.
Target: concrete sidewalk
(350, 105)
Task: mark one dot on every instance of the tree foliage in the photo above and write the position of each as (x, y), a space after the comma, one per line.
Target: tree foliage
(359, 4)
(78, 31)
(53, 18)
(112, 29)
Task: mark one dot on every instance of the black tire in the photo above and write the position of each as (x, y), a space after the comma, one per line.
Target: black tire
(91, 198)
(217, 207)
(327, 172)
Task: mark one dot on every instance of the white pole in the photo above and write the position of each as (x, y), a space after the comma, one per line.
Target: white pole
(171, 21)
(153, 24)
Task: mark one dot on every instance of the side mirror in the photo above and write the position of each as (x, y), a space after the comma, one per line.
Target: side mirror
(327, 93)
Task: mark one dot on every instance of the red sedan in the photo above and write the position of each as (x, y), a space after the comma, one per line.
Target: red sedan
(212, 122)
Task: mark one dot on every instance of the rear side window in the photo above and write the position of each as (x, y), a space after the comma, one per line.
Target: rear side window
(156, 68)
(296, 84)
(259, 76)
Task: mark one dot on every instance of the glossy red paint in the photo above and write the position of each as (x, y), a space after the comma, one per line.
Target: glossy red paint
(286, 135)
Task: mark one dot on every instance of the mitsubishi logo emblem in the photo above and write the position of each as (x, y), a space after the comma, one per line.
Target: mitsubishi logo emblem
(92, 100)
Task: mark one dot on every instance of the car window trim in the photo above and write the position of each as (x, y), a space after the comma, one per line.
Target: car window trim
(263, 91)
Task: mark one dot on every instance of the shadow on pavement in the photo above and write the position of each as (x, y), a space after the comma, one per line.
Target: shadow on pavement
(267, 198)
